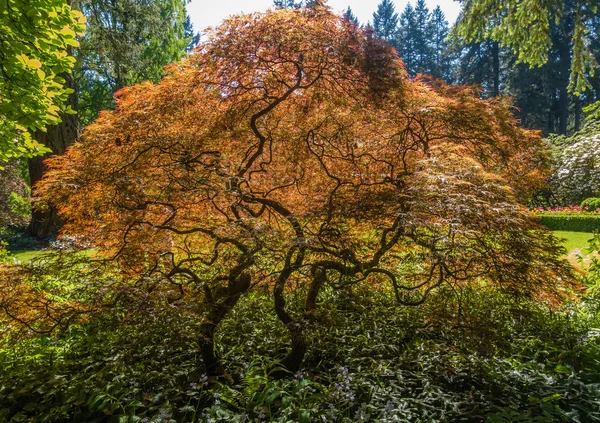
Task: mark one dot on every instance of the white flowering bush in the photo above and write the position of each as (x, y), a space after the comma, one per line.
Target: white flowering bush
(577, 159)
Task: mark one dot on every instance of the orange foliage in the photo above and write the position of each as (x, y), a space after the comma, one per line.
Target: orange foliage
(291, 147)
(29, 307)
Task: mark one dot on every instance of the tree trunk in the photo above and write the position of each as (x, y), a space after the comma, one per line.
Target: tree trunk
(577, 113)
(45, 222)
(293, 360)
(207, 350)
(563, 110)
(496, 68)
(319, 278)
(564, 51)
(219, 308)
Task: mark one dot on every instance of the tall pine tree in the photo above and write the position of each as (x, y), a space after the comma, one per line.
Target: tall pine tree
(556, 33)
(190, 34)
(422, 49)
(385, 21)
(349, 16)
(437, 33)
(293, 4)
(405, 39)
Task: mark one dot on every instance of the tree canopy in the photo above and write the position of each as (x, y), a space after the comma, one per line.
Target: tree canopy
(385, 20)
(35, 37)
(292, 150)
(126, 42)
(525, 28)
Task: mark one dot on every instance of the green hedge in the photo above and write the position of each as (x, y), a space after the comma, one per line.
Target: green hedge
(573, 223)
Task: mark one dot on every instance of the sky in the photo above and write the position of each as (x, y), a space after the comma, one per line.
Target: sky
(205, 13)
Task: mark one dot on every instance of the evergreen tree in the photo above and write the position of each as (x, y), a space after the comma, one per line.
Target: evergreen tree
(189, 34)
(541, 94)
(532, 93)
(421, 41)
(293, 4)
(127, 41)
(437, 33)
(422, 49)
(478, 63)
(350, 17)
(385, 21)
(592, 96)
(559, 28)
(405, 39)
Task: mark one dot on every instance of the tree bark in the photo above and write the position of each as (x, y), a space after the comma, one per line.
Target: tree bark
(564, 52)
(496, 68)
(293, 360)
(219, 308)
(563, 110)
(45, 222)
(319, 278)
(207, 350)
(577, 113)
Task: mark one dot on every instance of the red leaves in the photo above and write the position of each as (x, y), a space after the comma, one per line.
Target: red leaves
(293, 139)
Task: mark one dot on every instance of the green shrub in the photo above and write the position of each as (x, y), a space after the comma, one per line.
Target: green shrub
(20, 206)
(591, 203)
(573, 223)
(591, 263)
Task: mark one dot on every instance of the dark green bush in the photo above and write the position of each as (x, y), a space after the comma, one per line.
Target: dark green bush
(570, 222)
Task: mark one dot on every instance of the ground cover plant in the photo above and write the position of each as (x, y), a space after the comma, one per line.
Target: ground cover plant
(288, 228)
(501, 360)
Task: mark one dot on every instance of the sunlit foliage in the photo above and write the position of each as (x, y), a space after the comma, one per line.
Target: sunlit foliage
(35, 38)
(292, 152)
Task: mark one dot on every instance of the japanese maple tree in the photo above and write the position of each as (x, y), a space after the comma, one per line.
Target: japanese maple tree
(292, 151)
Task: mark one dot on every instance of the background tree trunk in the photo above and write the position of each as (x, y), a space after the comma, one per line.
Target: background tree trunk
(578, 113)
(45, 222)
(496, 68)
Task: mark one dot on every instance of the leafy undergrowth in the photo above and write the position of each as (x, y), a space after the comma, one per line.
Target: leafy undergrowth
(369, 360)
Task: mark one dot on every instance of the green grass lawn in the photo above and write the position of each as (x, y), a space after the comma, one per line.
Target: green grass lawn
(28, 255)
(25, 256)
(574, 240)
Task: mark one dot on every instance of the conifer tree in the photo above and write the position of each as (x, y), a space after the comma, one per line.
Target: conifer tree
(535, 33)
(126, 42)
(292, 4)
(437, 32)
(422, 50)
(405, 39)
(385, 21)
(350, 16)
(189, 34)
